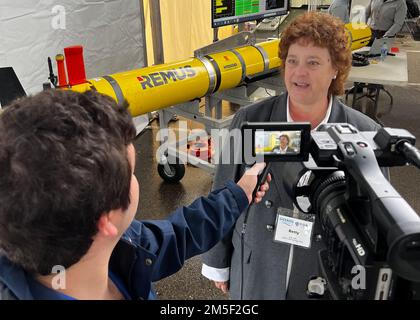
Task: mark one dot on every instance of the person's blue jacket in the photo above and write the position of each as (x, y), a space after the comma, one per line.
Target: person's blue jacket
(149, 250)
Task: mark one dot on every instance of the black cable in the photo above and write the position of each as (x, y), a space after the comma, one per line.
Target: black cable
(261, 179)
(242, 252)
(52, 77)
(266, 91)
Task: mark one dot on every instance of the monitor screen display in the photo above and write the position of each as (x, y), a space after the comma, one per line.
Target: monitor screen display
(277, 142)
(226, 12)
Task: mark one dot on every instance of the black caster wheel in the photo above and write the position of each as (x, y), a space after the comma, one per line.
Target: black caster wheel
(175, 173)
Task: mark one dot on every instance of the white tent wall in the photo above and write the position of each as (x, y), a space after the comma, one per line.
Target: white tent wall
(31, 30)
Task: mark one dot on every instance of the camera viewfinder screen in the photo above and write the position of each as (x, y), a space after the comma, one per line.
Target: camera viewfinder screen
(277, 142)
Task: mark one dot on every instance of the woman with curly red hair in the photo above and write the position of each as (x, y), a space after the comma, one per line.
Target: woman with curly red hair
(316, 60)
(327, 36)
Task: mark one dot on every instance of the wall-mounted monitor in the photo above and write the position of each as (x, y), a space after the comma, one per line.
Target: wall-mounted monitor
(226, 12)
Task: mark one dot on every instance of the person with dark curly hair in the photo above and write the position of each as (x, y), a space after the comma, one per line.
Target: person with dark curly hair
(68, 197)
(316, 60)
(284, 145)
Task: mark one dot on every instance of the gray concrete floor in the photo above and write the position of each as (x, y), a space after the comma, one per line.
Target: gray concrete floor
(157, 200)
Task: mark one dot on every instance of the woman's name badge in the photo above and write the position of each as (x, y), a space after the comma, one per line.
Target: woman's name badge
(293, 231)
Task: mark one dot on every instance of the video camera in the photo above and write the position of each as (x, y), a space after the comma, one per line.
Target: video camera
(364, 220)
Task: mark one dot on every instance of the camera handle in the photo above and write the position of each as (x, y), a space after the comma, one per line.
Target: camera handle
(411, 153)
(261, 179)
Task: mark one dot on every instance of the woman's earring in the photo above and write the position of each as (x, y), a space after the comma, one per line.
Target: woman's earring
(335, 77)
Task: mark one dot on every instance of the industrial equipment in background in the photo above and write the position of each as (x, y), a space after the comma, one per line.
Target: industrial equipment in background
(228, 70)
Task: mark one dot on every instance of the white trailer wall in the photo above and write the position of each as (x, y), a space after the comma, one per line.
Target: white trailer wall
(32, 30)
